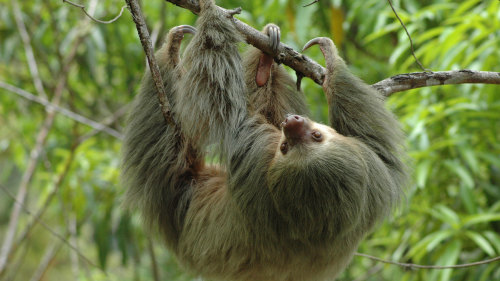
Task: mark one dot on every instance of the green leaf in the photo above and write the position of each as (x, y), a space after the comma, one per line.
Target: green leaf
(464, 7)
(398, 52)
(455, 54)
(449, 257)
(481, 242)
(480, 218)
(429, 34)
(469, 155)
(467, 197)
(461, 172)
(492, 159)
(428, 243)
(422, 172)
(387, 29)
(494, 238)
(471, 56)
(446, 215)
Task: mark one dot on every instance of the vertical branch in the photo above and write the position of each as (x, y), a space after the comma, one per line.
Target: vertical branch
(48, 258)
(72, 226)
(143, 32)
(30, 57)
(154, 263)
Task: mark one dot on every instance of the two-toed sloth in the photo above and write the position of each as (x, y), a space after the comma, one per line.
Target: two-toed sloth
(289, 199)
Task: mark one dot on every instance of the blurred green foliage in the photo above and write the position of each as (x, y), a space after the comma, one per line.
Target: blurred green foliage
(451, 213)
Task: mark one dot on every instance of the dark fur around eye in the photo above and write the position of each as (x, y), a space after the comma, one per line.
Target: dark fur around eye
(284, 147)
(317, 136)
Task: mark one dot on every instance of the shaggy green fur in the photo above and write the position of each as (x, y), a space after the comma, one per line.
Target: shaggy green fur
(259, 214)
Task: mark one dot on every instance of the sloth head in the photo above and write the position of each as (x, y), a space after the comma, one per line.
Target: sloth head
(300, 135)
(317, 177)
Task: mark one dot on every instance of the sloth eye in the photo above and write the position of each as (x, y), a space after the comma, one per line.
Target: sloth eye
(284, 147)
(317, 136)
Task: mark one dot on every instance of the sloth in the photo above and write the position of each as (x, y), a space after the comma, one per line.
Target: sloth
(289, 199)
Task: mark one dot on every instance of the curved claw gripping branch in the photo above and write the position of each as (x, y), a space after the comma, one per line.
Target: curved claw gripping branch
(327, 47)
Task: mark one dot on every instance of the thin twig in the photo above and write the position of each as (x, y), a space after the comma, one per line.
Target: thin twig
(106, 121)
(142, 29)
(47, 227)
(15, 264)
(409, 37)
(57, 185)
(50, 106)
(372, 271)
(313, 2)
(73, 239)
(91, 17)
(154, 263)
(47, 259)
(30, 57)
(419, 266)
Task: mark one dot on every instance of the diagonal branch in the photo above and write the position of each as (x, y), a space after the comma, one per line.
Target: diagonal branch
(28, 49)
(285, 54)
(143, 32)
(70, 114)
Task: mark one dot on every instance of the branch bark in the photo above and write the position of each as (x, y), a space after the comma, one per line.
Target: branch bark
(143, 32)
(309, 68)
(285, 54)
(403, 82)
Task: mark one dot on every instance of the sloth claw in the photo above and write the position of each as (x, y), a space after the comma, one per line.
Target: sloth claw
(321, 41)
(173, 42)
(184, 29)
(176, 34)
(274, 33)
(327, 47)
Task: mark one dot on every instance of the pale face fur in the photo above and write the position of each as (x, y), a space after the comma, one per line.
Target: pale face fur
(299, 152)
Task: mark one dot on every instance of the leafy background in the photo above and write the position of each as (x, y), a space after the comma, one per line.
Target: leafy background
(451, 213)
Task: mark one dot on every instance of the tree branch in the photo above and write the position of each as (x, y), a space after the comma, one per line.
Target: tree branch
(309, 68)
(419, 266)
(91, 17)
(403, 82)
(143, 32)
(70, 114)
(28, 49)
(60, 237)
(285, 54)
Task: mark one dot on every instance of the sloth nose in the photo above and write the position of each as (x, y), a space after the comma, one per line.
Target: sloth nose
(293, 119)
(294, 127)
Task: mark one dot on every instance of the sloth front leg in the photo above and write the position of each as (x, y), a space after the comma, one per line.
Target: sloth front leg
(266, 61)
(173, 43)
(271, 90)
